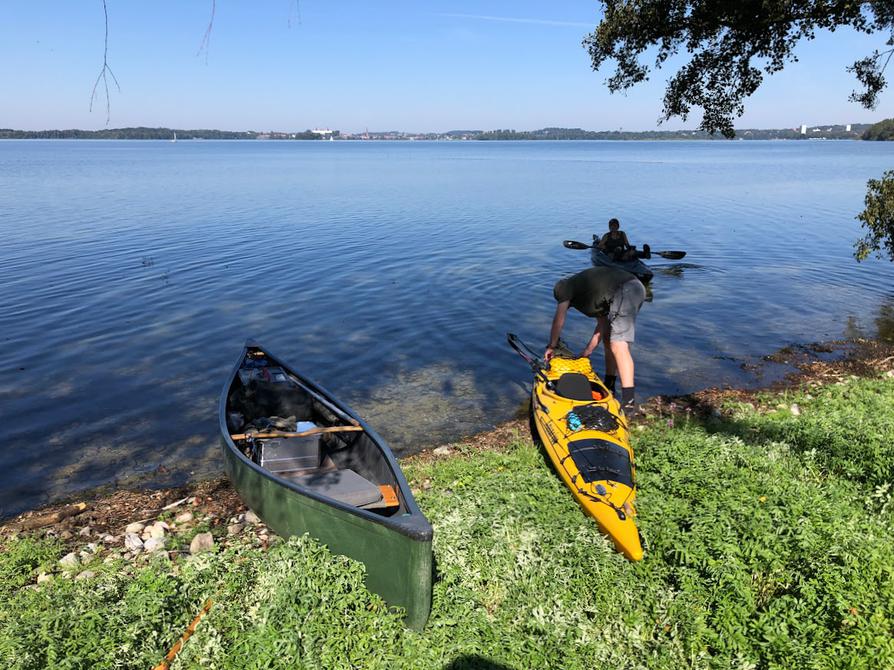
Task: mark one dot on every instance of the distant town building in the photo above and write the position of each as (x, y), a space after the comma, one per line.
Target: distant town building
(847, 128)
(803, 129)
(325, 132)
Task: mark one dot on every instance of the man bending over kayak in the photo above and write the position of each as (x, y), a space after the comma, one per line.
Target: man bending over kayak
(613, 297)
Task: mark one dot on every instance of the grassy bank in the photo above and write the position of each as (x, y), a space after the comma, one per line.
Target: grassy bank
(770, 543)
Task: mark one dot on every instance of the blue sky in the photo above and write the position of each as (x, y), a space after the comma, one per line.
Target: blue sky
(352, 65)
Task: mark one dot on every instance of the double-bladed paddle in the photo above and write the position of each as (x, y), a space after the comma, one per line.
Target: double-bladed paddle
(671, 255)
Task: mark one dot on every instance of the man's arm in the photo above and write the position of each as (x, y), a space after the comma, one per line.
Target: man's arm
(556, 330)
(594, 341)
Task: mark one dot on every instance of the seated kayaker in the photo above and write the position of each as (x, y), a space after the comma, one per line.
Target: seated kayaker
(615, 244)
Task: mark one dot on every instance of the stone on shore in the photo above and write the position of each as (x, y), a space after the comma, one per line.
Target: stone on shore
(69, 560)
(183, 517)
(134, 527)
(157, 530)
(132, 542)
(201, 542)
(252, 518)
(153, 544)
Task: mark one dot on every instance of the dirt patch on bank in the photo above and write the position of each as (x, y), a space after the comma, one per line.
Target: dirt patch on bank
(100, 515)
(815, 364)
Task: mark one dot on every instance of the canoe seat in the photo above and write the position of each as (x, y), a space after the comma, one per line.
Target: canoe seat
(343, 485)
(574, 386)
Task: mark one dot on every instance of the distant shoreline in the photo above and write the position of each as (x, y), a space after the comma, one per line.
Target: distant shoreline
(824, 132)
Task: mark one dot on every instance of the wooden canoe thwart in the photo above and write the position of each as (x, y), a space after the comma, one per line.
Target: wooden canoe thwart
(313, 466)
(304, 433)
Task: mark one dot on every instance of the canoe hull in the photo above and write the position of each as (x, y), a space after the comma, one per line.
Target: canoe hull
(398, 567)
(396, 551)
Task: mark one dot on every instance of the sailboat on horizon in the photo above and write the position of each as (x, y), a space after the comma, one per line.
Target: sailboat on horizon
(174, 139)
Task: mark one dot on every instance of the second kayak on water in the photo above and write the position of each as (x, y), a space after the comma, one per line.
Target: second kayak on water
(635, 266)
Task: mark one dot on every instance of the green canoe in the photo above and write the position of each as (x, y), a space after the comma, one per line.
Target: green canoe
(305, 463)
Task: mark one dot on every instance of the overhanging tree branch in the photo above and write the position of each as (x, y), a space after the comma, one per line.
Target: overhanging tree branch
(106, 70)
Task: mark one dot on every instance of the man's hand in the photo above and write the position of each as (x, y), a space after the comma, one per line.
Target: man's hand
(548, 354)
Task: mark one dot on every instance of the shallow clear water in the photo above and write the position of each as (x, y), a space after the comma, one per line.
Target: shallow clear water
(132, 272)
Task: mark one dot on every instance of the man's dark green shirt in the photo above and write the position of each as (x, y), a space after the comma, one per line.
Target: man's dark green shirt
(591, 291)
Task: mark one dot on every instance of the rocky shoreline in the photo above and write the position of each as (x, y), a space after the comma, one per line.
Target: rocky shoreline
(135, 525)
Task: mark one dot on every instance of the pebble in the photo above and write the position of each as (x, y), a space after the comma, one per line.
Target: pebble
(87, 574)
(889, 373)
(43, 577)
(85, 531)
(201, 542)
(183, 517)
(69, 560)
(252, 518)
(134, 527)
(442, 451)
(110, 539)
(157, 531)
(795, 410)
(153, 544)
(235, 528)
(111, 558)
(66, 535)
(133, 542)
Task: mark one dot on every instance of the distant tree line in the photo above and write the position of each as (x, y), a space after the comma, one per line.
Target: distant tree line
(835, 132)
(883, 130)
(152, 134)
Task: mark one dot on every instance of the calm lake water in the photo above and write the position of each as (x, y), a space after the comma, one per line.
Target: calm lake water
(132, 272)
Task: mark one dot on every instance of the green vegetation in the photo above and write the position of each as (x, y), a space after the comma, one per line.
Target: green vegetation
(151, 134)
(731, 46)
(883, 130)
(829, 132)
(770, 544)
(878, 219)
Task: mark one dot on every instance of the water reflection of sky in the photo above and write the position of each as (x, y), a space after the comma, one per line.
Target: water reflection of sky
(133, 272)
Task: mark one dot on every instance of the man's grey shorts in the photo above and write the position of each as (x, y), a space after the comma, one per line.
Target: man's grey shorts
(625, 306)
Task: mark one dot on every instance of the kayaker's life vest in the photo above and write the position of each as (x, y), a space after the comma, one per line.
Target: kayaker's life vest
(613, 241)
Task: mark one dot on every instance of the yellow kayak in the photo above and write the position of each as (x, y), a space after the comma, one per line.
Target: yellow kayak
(586, 436)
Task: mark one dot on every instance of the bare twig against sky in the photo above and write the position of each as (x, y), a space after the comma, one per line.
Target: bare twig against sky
(106, 70)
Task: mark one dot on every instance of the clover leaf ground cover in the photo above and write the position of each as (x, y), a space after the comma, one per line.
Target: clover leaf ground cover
(770, 544)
